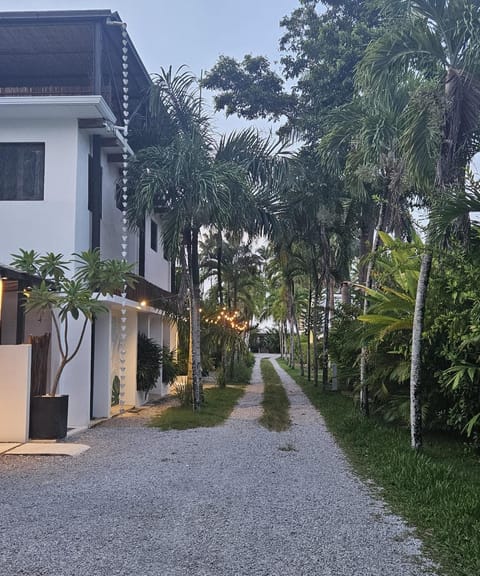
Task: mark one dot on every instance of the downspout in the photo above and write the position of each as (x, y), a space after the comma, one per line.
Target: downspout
(95, 196)
(95, 193)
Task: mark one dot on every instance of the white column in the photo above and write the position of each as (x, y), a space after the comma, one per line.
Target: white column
(102, 370)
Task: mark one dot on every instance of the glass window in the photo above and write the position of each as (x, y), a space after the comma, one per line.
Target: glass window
(153, 236)
(22, 168)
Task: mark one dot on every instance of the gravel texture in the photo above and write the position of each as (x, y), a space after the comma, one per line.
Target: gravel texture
(232, 500)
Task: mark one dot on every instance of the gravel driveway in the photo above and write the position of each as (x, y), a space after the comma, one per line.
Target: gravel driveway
(232, 500)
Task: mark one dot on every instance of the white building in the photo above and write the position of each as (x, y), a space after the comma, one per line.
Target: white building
(61, 79)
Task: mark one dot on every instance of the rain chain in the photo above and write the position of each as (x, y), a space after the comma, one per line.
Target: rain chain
(124, 245)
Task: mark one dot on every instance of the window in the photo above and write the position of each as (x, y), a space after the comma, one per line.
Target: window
(22, 168)
(153, 236)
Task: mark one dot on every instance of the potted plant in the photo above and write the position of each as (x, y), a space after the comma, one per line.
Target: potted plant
(67, 290)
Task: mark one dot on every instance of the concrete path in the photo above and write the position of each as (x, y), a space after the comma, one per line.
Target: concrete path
(232, 500)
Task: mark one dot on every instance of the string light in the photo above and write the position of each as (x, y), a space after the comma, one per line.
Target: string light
(228, 319)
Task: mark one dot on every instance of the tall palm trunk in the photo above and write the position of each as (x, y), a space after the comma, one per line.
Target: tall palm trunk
(364, 399)
(219, 266)
(291, 323)
(194, 364)
(309, 331)
(345, 293)
(326, 322)
(449, 172)
(315, 332)
(415, 381)
(300, 348)
(326, 314)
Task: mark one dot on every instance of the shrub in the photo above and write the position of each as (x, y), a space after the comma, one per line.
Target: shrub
(149, 362)
(182, 391)
(170, 368)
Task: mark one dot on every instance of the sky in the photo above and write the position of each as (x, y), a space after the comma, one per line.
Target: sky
(191, 32)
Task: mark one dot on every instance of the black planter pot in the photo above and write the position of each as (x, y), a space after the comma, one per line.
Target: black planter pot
(48, 417)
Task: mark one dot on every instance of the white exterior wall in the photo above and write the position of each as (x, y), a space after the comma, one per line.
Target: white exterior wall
(82, 215)
(111, 223)
(103, 376)
(152, 325)
(47, 225)
(131, 353)
(75, 379)
(14, 393)
(157, 269)
(156, 332)
(62, 223)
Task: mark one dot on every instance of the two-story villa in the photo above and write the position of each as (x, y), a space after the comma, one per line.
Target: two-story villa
(61, 144)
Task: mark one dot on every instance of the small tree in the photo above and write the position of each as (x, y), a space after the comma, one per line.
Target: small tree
(64, 296)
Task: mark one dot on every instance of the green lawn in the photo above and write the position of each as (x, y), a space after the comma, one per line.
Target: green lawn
(219, 403)
(275, 400)
(437, 490)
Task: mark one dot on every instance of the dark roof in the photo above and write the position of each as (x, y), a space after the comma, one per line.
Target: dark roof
(64, 17)
(43, 49)
(9, 273)
(59, 15)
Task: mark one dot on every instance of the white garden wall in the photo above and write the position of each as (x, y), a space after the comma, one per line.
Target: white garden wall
(14, 392)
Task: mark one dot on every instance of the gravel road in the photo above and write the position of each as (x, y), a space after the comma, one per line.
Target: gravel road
(232, 500)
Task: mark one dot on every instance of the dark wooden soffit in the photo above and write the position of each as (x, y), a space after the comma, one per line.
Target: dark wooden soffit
(9, 273)
(153, 296)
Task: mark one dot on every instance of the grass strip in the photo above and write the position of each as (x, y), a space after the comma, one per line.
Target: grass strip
(218, 405)
(437, 490)
(275, 400)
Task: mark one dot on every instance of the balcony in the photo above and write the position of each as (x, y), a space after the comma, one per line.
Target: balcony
(74, 53)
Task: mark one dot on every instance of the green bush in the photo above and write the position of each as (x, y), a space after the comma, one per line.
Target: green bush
(182, 391)
(241, 371)
(149, 362)
(170, 369)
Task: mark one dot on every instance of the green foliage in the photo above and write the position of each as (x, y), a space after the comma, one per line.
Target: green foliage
(420, 487)
(149, 363)
(216, 408)
(191, 179)
(275, 401)
(451, 351)
(63, 293)
(322, 49)
(268, 341)
(115, 400)
(345, 339)
(392, 302)
(241, 370)
(248, 88)
(182, 391)
(170, 369)
(454, 338)
(387, 326)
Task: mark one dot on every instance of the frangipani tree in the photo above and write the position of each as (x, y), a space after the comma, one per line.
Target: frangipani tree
(71, 290)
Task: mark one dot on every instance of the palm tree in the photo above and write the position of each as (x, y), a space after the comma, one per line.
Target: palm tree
(440, 41)
(363, 144)
(190, 180)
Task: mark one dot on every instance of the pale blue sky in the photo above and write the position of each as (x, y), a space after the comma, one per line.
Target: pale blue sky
(191, 32)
